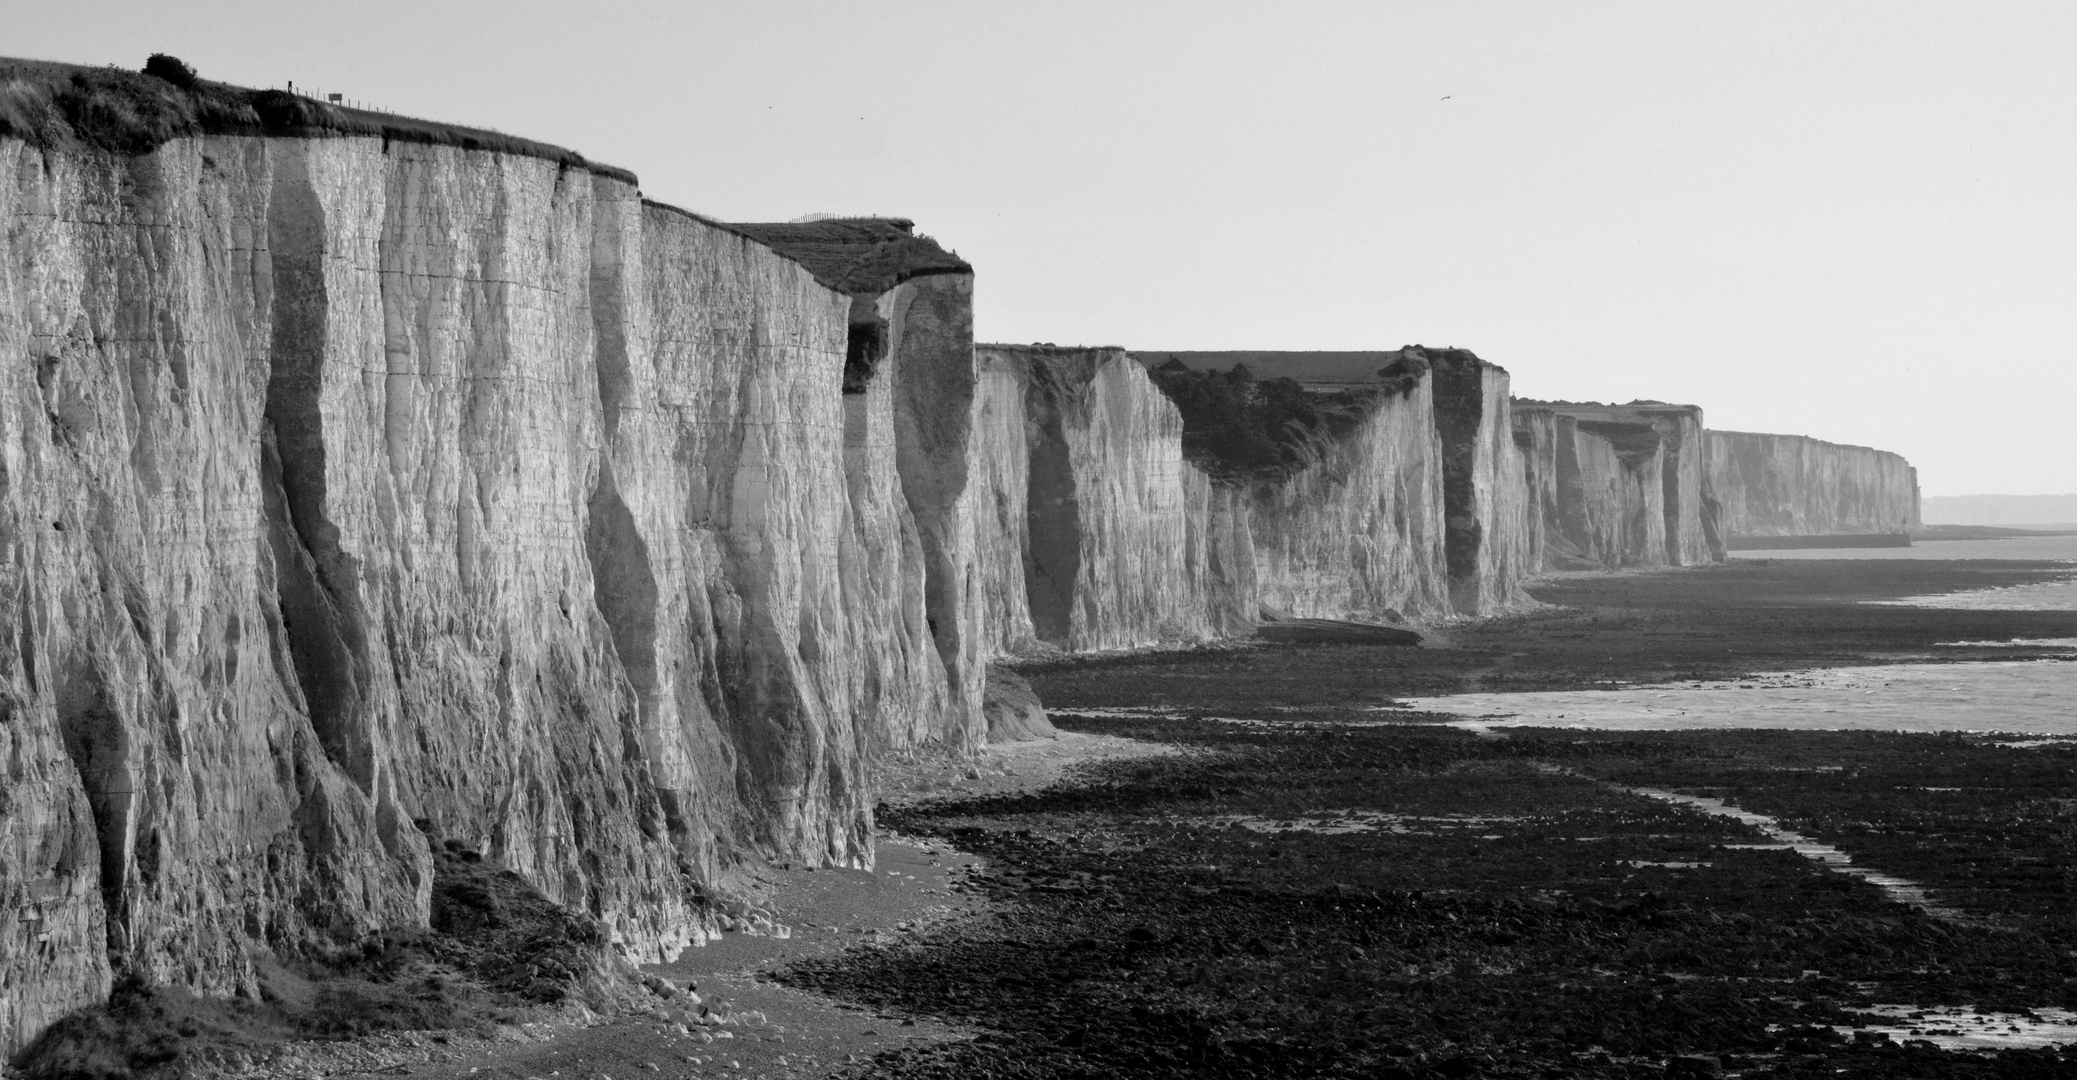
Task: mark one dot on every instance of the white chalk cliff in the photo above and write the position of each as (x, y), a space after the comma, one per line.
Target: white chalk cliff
(1793, 485)
(353, 494)
(1616, 485)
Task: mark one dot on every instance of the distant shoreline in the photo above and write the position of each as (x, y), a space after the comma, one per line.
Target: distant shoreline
(1989, 532)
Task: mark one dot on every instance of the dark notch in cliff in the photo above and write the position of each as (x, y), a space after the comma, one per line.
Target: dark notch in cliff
(1460, 407)
(317, 580)
(1053, 508)
(98, 743)
(55, 105)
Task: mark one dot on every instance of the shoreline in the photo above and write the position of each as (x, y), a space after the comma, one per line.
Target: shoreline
(1074, 863)
(1457, 907)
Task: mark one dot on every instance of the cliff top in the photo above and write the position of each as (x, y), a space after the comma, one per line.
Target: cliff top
(1635, 411)
(859, 256)
(1239, 428)
(56, 105)
(1317, 370)
(1805, 438)
(1047, 348)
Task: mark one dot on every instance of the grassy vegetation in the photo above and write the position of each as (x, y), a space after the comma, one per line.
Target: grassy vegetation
(496, 946)
(55, 105)
(1238, 427)
(858, 256)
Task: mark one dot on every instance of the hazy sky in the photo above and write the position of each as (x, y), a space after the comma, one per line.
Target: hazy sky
(1856, 221)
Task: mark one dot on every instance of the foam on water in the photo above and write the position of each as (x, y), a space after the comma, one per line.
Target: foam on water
(1961, 1027)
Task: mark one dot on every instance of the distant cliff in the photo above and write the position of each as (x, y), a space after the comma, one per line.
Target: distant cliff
(1098, 530)
(1430, 461)
(1998, 509)
(1779, 486)
(1617, 485)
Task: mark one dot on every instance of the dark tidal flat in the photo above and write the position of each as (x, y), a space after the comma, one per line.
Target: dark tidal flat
(1314, 893)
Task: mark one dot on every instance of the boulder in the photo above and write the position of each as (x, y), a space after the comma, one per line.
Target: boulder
(1012, 708)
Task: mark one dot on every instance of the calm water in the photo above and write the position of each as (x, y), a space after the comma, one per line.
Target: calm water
(2035, 697)
(2017, 547)
(2032, 697)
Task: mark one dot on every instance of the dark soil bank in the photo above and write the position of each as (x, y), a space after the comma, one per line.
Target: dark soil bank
(1503, 907)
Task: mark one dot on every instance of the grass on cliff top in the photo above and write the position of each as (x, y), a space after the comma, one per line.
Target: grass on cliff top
(1240, 428)
(496, 946)
(66, 106)
(856, 255)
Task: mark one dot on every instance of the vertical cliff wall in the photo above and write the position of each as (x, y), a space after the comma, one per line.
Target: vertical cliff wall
(1536, 443)
(355, 491)
(1596, 488)
(1079, 469)
(1381, 484)
(1485, 493)
(1617, 485)
(1359, 533)
(1122, 542)
(910, 330)
(1001, 499)
(1618, 470)
(1693, 531)
(1792, 485)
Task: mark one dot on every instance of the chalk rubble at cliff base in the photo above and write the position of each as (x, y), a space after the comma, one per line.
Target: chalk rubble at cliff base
(358, 488)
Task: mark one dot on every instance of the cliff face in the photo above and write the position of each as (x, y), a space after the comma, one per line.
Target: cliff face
(1119, 541)
(909, 336)
(1359, 534)
(931, 370)
(1618, 485)
(1614, 476)
(1792, 485)
(358, 492)
(1485, 493)
(1536, 443)
(1079, 470)
(1693, 531)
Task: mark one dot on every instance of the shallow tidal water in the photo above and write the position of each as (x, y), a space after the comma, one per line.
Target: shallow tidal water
(2031, 696)
(2037, 697)
(2052, 548)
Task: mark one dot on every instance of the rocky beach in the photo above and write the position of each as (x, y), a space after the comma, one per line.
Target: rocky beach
(1328, 883)
(1268, 860)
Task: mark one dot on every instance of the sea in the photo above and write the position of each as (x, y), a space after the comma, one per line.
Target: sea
(2029, 697)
